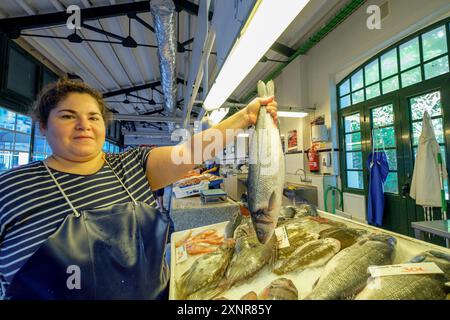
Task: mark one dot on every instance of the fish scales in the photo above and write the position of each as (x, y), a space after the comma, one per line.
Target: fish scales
(411, 287)
(312, 254)
(280, 289)
(346, 272)
(206, 270)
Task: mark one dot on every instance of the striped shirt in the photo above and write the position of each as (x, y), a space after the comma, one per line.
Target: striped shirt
(32, 207)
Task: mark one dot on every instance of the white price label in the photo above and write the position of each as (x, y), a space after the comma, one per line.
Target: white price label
(405, 269)
(181, 254)
(282, 237)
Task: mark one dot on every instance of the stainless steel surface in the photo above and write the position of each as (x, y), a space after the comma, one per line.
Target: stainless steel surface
(298, 192)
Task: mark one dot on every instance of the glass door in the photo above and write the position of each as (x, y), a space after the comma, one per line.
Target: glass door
(433, 98)
(382, 128)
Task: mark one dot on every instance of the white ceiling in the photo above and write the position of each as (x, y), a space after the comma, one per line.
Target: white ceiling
(110, 67)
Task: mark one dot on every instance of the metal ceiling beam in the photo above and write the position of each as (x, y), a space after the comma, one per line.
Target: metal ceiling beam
(282, 49)
(137, 117)
(152, 85)
(189, 7)
(60, 18)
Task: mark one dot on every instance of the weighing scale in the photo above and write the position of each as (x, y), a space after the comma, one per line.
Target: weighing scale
(213, 195)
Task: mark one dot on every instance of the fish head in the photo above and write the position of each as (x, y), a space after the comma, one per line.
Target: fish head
(389, 240)
(265, 219)
(264, 225)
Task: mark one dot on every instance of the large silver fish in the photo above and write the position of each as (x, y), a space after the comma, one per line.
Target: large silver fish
(346, 273)
(414, 286)
(312, 254)
(266, 171)
(205, 271)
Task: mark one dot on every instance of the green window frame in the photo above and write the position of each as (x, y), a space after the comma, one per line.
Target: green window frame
(354, 163)
(420, 57)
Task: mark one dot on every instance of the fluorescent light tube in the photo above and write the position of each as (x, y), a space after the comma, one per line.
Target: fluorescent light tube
(269, 21)
(291, 114)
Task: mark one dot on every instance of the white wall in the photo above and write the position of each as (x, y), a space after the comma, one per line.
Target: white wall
(311, 80)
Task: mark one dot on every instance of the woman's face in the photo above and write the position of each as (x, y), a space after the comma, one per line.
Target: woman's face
(75, 128)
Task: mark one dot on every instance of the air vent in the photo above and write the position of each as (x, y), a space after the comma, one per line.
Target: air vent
(384, 8)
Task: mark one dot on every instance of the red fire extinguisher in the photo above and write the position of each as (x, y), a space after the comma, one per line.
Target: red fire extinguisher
(313, 159)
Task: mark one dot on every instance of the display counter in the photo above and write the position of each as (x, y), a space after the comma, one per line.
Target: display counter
(191, 212)
(304, 280)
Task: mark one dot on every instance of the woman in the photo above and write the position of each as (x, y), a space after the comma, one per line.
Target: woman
(82, 224)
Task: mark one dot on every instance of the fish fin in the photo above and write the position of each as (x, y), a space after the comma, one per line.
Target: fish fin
(270, 86)
(316, 282)
(262, 91)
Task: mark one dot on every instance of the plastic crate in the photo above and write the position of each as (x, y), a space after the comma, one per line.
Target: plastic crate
(215, 183)
(187, 191)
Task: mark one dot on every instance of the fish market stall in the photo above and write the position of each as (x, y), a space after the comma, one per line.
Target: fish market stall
(191, 212)
(298, 282)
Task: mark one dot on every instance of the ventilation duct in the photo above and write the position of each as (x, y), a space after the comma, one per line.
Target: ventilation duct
(163, 13)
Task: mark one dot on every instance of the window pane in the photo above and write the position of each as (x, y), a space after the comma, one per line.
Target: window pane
(430, 102)
(353, 141)
(371, 72)
(410, 77)
(391, 155)
(373, 91)
(390, 85)
(5, 160)
(19, 159)
(23, 124)
(21, 74)
(384, 137)
(6, 140)
(434, 43)
(358, 96)
(345, 101)
(22, 142)
(391, 184)
(39, 145)
(389, 63)
(354, 160)
(409, 54)
(436, 67)
(344, 88)
(382, 116)
(39, 157)
(7, 119)
(438, 131)
(352, 123)
(355, 179)
(357, 81)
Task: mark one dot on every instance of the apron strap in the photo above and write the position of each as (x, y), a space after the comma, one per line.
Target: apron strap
(75, 211)
(123, 185)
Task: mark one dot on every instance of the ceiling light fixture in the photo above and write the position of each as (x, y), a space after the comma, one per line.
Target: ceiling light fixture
(266, 23)
(291, 114)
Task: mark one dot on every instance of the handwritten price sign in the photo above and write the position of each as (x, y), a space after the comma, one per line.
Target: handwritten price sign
(405, 269)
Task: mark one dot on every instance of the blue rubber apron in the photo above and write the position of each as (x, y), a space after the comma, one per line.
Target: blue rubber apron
(119, 251)
(378, 167)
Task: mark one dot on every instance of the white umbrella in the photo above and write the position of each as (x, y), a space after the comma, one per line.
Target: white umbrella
(426, 184)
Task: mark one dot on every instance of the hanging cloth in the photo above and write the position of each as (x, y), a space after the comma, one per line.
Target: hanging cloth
(426, 185)
(118, 250)
(378, 167)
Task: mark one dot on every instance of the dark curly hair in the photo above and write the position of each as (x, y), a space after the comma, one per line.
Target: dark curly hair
(53, 93)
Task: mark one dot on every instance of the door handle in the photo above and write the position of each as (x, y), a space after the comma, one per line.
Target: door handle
(405, 189)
